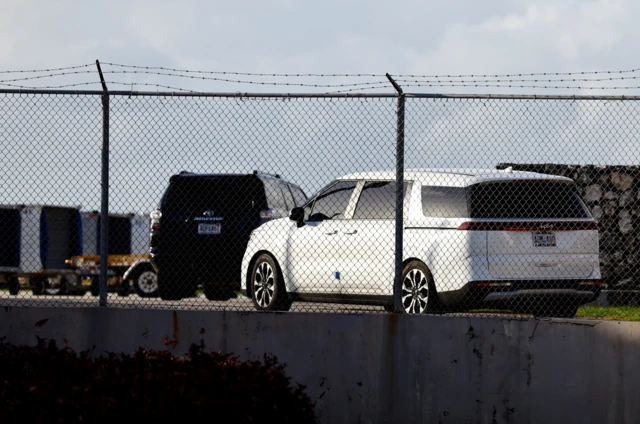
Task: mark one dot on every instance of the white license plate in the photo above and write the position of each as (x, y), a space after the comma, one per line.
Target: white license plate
(209, 228)
(544, 240)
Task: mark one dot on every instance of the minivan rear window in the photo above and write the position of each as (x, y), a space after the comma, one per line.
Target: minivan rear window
(525, 200)
(444, 202)
(221, 194)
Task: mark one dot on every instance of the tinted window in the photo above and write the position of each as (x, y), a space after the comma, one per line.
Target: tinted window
(229, 196)
(274, 194)
(527, 199)
(288, 197)
(298, 195)
(377, 200)
(10, 230)
(444, 202)
(332, 202)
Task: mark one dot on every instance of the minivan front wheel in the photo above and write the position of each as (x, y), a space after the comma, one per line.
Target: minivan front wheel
(417, 285)
(267, 287)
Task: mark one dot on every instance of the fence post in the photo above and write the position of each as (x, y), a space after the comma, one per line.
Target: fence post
(104, 201)
(397, 283)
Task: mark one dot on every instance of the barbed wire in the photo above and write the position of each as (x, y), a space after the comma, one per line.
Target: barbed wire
(30, 87)
(255, 74)
(532, 74)
(271, 83)
(19, 71)
(375, 75)
(557, 87)
(48, 76)
(128, 84)
(164, 74)
(435, 80)
(359, 86)
(441, 80)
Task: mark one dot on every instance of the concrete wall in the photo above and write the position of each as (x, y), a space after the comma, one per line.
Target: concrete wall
(384, 368)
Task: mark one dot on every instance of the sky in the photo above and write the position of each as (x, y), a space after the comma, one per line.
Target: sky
(51, 145)
(402, 37)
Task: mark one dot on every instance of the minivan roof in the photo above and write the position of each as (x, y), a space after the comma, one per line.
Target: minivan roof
(457, 177)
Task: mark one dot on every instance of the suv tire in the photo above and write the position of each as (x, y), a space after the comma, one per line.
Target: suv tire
(218, 292)
(267, 287)
(172, 288)
(14, 285)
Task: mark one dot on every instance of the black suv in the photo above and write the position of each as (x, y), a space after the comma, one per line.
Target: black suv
(201, 229)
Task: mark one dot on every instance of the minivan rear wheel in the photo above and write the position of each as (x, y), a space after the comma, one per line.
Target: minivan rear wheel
(417, 288)
(267, 286)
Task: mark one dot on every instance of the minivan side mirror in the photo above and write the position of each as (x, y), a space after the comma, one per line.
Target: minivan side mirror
(297, 215)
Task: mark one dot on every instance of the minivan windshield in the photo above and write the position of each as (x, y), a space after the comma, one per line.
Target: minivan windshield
(530, 199)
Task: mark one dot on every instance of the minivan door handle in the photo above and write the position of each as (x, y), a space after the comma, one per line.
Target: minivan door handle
(330, 233)
(351, 232)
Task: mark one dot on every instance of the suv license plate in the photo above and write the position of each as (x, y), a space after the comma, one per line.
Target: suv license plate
(544, 240)
(208, 228)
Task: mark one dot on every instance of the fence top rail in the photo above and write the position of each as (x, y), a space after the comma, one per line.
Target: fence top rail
(241, 95)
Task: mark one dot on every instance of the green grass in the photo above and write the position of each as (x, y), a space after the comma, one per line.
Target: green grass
(623, 313)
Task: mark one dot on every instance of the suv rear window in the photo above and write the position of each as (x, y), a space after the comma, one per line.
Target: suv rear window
(298, 195)
(525, 200)
(222, 194)
(274, 193)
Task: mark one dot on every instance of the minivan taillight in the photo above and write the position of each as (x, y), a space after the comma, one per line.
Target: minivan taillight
(528, 226)
(266, 214)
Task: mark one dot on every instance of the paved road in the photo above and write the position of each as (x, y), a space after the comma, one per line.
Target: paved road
(199, 303)
(241, 303)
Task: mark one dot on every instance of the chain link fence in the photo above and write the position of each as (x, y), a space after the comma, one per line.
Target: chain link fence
(510, 205)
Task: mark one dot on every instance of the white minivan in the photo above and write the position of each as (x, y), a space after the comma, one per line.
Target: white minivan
(472, 239)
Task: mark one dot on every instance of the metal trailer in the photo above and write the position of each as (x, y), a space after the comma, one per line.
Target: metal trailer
(35, 242)
(129, 267)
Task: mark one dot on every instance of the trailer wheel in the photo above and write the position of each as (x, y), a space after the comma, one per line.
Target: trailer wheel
(95, 286)
(61, 290)
(37, 286)
(14, 285)
(145, 281)
(124, 288)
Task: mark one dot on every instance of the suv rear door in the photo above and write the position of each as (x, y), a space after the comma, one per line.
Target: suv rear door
(193, 204)
(536, 229)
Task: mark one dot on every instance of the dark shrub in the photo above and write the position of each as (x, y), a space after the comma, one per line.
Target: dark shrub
(47, 384)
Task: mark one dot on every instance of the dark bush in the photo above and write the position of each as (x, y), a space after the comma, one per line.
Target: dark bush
(47, 384)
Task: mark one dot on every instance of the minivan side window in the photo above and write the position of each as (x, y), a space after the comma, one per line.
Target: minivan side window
(332, 202)
(377, 200)
(275, 200)
(444, 202)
